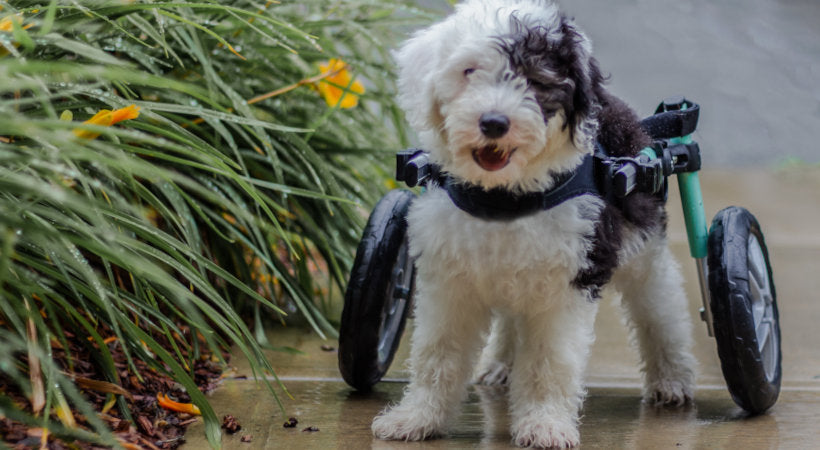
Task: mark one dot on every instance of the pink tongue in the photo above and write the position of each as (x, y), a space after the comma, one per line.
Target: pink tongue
(490, 159)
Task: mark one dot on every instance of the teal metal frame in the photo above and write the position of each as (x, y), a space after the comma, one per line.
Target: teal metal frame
(697, 230)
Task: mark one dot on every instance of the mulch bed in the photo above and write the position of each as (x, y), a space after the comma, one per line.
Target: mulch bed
(153, 426)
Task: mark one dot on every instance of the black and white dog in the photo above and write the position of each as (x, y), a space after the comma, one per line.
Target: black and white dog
(506, 97)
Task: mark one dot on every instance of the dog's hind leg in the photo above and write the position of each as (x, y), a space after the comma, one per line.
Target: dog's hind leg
(546, 389)
(496, 358)
(657, 311)
(444, 345)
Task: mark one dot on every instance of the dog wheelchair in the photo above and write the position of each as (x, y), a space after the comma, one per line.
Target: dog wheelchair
(734, 272)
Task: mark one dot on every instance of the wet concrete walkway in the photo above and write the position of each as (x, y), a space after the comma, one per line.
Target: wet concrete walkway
(787, 204)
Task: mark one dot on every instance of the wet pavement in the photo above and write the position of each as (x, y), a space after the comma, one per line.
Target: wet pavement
(787, 204)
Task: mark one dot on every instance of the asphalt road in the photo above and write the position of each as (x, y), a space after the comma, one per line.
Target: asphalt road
(753, 65)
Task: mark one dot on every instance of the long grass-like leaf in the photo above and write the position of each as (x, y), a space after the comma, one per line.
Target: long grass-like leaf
(187, 228)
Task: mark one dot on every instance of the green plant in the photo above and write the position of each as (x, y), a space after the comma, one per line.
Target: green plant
(178, 230)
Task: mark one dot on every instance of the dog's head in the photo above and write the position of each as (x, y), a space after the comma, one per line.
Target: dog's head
(502, 92)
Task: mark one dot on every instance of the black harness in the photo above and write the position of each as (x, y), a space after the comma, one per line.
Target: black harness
(611, 178)
(501, 204)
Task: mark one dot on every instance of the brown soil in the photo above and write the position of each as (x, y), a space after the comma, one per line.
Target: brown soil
(152, 428)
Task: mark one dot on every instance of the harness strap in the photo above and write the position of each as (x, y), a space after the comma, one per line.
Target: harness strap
(674, 117)
(500, 204)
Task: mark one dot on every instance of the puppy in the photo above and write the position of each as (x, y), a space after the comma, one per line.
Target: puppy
(506, 98)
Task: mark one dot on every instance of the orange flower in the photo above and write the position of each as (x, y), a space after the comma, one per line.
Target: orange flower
(333, 86)
(167, 403)
(7, 26)
(6, 23)
(106, 118)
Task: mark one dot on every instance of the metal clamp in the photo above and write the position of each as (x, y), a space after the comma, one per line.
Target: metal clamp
(678, 158)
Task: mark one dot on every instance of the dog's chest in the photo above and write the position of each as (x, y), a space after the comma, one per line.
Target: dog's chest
(549, 246)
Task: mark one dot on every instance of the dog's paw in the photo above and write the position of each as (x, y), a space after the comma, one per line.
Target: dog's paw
(669, 392)
(401, 424)
(494, 374)
(546, 434)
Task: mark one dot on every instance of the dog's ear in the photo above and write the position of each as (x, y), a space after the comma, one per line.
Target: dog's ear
(575, 50)
(418, 58)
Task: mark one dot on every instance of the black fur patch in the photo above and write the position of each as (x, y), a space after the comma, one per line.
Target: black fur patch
(620, 133)
(563, 77)
(557, 71)
(603, 256)
(645, 211)
(620, 130)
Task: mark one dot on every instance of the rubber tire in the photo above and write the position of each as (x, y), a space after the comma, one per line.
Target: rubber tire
(731, 304)
(367, 298)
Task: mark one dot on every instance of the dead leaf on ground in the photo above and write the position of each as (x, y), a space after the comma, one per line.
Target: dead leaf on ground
(230, 424)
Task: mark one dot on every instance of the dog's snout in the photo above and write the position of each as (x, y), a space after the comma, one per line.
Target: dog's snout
(494, 124)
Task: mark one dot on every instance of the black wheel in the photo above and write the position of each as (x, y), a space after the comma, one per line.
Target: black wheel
(744, 309)
(378, 295)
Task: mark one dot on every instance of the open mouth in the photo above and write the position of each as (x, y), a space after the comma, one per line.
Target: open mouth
(492, 158)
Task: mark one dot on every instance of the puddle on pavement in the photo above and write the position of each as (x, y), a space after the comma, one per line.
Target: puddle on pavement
(612, 418)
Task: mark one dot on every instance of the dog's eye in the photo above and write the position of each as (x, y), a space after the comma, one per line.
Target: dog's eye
(468, 71)
(537, 85)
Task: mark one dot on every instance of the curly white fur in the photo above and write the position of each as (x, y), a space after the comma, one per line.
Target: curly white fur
(518, 275)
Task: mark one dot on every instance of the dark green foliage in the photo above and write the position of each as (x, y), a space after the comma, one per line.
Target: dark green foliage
(203, 210)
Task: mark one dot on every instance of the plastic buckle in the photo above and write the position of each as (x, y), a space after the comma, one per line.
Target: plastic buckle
(640, 174)
(413, 167)
(674, 117)
(674, 103)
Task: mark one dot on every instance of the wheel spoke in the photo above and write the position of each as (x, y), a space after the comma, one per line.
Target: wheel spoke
(398, 294)
(758, 299)
(759, 286)
(762, 305)
(767, 345)
(757, 266)
(763, 332)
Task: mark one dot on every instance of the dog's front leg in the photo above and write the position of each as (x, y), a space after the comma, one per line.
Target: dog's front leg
(446, 338)
(546, 388)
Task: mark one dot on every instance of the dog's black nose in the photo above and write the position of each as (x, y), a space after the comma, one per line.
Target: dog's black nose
(494, 124)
